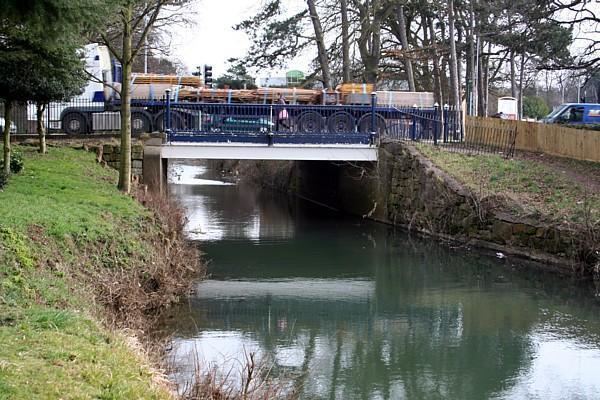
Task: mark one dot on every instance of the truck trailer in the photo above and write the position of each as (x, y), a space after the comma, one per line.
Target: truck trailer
(97, 108)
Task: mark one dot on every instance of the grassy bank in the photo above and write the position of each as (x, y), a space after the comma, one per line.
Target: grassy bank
(78, 257)
(564, 193)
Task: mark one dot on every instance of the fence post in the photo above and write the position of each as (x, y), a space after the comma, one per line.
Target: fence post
(273, 115)
(168, 115)
(413, 128)
(49, 118)
(436, 114)
(445, 122)
(373, 118)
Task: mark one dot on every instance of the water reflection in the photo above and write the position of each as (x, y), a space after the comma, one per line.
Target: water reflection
(250, 216)
(354, 310)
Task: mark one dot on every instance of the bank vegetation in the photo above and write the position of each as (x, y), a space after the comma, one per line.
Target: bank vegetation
(84, 272)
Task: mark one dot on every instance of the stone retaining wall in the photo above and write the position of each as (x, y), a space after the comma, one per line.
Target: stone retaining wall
(423, 197)
(111, 155)
(406, 189)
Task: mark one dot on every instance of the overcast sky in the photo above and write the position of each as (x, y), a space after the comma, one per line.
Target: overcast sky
(212, 40)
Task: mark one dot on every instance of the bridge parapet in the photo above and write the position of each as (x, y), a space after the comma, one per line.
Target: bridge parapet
(280, 123)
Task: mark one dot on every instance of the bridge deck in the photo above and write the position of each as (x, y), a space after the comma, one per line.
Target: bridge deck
(254, 151)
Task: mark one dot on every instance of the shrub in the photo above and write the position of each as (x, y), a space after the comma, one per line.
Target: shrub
(16, 162)
(3, 180)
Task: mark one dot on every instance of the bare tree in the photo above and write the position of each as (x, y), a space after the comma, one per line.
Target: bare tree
(345, 41)
(126, 37)
(453, 58)
(371, 14)
(320, 40)
(404, 40)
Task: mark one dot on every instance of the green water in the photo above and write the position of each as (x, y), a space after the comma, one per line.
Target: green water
(353, 310)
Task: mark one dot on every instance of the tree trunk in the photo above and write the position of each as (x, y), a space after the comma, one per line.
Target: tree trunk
(427, 81)
(521, 80)
(445, 67)
(470, 68)
(371, 15)
(8, 105)
(487, 80)
(454, 63)
(345, 42)
(410, 77)
(320, 39)
(125, 167)
(481, 75)
(459, 67)
(513, 75)
(41, 128)
(437, 82)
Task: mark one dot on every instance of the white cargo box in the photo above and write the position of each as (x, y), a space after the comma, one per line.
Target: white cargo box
(507, 107)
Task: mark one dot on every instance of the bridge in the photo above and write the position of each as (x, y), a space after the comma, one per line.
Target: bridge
(288, 132)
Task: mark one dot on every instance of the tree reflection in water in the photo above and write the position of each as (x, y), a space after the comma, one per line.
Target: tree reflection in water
(354, 310)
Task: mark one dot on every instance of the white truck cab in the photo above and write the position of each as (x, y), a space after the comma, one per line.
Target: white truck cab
(103, 72)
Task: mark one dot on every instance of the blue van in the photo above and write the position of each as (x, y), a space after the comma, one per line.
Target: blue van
(574, 113)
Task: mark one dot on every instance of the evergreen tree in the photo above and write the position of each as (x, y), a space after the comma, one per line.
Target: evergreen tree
(535, 107)
(237, 77)
(38, 52)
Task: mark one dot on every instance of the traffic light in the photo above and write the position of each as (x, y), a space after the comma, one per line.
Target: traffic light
(197, 72)
(208, 75)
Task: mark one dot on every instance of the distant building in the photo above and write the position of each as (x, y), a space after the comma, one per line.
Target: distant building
(272, 81)
(293, 78)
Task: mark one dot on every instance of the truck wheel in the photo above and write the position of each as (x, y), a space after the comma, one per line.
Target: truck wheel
(341, 122)
(74, 124)
(140, 123)
(310, 122)
(177, 121)
(364, 124)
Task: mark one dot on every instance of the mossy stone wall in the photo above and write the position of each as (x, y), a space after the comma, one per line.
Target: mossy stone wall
(405, 189)
(111, 154)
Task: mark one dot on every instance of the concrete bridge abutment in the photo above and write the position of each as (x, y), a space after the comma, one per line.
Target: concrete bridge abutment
(155, 167)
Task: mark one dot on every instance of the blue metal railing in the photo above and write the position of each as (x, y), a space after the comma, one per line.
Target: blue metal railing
(269, 123)
(426, 124)
(302, 124)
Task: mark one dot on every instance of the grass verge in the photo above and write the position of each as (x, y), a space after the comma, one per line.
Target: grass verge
(530, 187)
(74, 252)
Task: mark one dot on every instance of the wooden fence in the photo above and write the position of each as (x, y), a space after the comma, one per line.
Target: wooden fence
(553, 139)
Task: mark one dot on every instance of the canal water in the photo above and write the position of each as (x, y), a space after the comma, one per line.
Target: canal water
(349, 309)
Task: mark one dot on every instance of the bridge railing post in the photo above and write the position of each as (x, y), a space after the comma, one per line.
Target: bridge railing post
(373, 137)
(413, 128)
(273, 116)
(436, 122)
(167, 120)
(445, 122)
